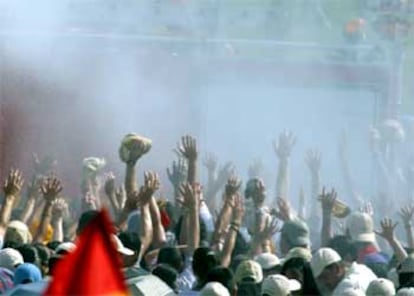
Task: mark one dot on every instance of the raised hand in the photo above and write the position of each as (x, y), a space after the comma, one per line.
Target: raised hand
(233, 186)
(191, 195)
(51, 188)
(283, 147)
(145, 193)
(387, 229)
(256, 189)
(59, 208)
(210, 162)
(109, 185)
(327, 199)
(188, 148)
(367, 208)
(271, 227)
(178, 173)
(283, 209)
(406, 214)
(133, 147)
(13, 184)
(43, 166)
(225, 172)
(313, 160)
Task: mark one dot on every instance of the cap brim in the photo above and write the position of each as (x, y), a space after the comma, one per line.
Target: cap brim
(294, 285)
(366, 237)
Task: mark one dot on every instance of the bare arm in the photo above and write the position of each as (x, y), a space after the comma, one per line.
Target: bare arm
(191, 196)
(159, 239)
(50, 189)
(12, 188)
(388, 234)
(327, 202)
(59, 207)
(188, 150)
(283, 148)
(406, 214)
(177, 175)
(313, 161)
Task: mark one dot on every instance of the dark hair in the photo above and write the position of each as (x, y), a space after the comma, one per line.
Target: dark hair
(53, 245)
(203, 261)
(52, 263)
(222, 275)
(344, 246)
(29, 254)
(247, 288)
(406, 280)
(85, 218)
(172, 257)
(309, 286)
(43, 252)
(130, 240)
(11, 244)
(168, 274)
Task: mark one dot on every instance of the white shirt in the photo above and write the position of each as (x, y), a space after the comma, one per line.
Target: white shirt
(358, 277)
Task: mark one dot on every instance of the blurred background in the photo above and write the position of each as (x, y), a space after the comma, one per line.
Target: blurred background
(77, 75)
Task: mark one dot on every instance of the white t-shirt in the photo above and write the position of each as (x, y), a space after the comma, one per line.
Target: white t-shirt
(358, 277)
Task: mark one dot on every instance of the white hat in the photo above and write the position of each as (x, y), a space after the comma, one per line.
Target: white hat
(381, 287)
(67, 247)
(267, 260)
(353, 292)
(18, 232)
(120, 247)
(9, 258)
(249, 269)
(279, 285)
(406, 292)
(299, 252)
(214, 289)
(323, 258)
(361, 227)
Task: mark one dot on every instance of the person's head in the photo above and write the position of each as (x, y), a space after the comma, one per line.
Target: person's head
(131, 241)
(43, 255)
(27, 273)
(345, 247)
(298, 252)
(10, 258)
(406, 272)
(294, 233)
(214, 289)
(279, 285)
(361, 228)
(249, 271)
(327, 268)
(204, 260)
(29, 254)
(299, 269)
(270, 263)
(171, 256)
(65, 248)
(380, 287)
(123, 252)
(84, 220)
(18, 232)
(222, 275)
(168, 274)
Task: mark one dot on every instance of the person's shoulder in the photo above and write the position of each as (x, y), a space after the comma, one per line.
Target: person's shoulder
(347, 283)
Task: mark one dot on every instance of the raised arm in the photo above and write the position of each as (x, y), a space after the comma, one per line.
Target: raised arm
(177, 175)
(327, 200)
(237, 214)
(283, 148)
(406, 214)
(59, 208)
(313, 162)
(159, 238)
(110, 192)
(11, 188)
(51, 188)
(262, 238)
(188, 149)
(388, 233)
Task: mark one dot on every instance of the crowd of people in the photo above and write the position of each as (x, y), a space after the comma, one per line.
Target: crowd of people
(195, 243)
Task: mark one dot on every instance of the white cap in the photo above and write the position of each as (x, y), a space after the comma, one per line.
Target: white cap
(66, 247)
(299, 252)
(214, 289)
(353, 292)
(381, 287)
(361, 227)
(323, 258)
(9, 258)
(279, 285)
(267, 260)
(120, 247)
(406, 292)
(249, 269)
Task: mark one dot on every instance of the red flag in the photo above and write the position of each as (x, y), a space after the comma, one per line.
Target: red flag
(94, 268)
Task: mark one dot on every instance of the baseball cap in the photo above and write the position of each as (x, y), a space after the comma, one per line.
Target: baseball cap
(249, 269)
(406, 292)
(64, 248)
(214, 289)
(27, 272)
(296, 232)
(381, 287)
(18, 232)
(267, 260)
(322, 259)
(279, 285)
(120, 247)
(299, 252)
(9, 258)
(407, 265)
(361, 227)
